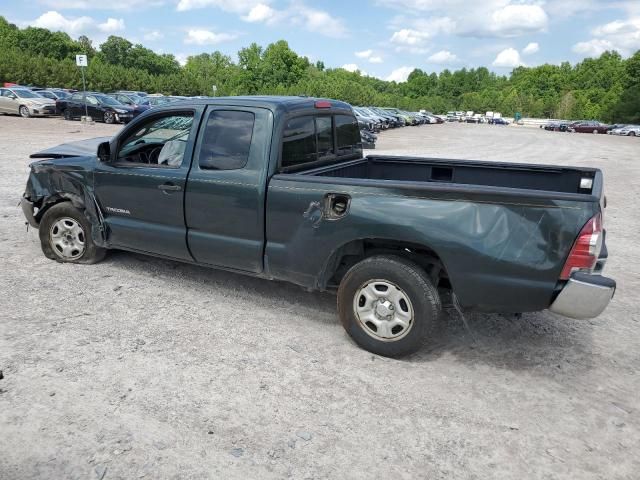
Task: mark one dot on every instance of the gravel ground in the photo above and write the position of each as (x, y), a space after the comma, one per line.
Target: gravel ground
(144, 368)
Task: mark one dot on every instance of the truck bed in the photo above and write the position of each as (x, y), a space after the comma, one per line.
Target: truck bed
(544, 178)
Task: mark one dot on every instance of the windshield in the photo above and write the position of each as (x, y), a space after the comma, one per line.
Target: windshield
(24, 93)
(107, 100)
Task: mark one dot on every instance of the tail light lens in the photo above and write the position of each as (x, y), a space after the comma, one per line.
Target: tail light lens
(586, 249)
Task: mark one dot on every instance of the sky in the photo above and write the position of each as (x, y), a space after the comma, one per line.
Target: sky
(382, 38)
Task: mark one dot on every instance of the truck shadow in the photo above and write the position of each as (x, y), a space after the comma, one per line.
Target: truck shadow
(538, 342)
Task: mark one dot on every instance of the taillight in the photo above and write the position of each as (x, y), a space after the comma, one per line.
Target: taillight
(586, 249)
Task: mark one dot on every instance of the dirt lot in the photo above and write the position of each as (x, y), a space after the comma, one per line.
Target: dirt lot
(144, 368)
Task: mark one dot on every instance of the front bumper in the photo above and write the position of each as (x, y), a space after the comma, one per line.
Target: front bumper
(27, 209)
(584, 296)
(46, 110)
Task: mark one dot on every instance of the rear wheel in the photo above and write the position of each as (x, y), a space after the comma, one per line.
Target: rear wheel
(24, 112)
(65, 236)
(595, 131)
(388, 305)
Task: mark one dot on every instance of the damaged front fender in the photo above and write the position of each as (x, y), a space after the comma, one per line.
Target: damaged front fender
(67, 179)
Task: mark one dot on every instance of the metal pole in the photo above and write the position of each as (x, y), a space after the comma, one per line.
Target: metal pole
(84, 96)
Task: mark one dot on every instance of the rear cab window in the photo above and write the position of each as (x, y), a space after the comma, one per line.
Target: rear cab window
(313, 140)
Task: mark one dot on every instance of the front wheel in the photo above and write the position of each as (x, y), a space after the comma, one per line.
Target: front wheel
(65, 236)
(67, 114)
(595, 131)
(388, 305)
(109, 117)
(24, 112)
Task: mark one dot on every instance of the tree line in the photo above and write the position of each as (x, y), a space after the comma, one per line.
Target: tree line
(605, 88)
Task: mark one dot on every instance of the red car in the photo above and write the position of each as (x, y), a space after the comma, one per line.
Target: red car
(589, 127)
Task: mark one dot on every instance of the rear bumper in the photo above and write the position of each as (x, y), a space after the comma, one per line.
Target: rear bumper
(27, 209)
(584, 296)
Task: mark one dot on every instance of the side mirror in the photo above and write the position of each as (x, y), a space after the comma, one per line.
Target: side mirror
(12, 97)
(104, 152)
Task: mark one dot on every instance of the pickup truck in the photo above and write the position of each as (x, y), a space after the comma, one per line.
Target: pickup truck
(277, 187)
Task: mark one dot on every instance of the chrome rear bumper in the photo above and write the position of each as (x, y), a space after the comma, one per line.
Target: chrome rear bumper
(584, 296)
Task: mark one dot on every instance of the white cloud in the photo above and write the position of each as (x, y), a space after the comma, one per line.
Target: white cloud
(531, 48)
(153, 35)
(486, 18)
(112, 25)
(234, 6)
(55, 21)
(620, 35)
(364, 54)
(350, 67)
(514, 20)
(369, 56)
(102, 5)
(201, 36)
(508, 58)
(400, 74)
(443, 57)
(260, 13)
(593, 48)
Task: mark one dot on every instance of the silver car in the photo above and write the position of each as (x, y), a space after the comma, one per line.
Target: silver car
(629, 131)
(24, 102)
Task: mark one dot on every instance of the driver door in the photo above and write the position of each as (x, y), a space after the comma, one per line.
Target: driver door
(140, 191)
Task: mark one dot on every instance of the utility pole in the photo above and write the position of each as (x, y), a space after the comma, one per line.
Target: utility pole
(81, 61)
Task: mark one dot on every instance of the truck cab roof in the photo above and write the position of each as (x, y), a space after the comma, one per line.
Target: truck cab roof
(280, 104)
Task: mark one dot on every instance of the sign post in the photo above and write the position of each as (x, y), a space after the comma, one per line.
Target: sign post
(81, 61)
(215, 89)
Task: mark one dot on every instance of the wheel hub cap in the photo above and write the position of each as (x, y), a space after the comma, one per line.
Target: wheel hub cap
(383, 310)
(67, 238)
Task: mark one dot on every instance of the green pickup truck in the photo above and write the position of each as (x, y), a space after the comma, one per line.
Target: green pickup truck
(277, 187)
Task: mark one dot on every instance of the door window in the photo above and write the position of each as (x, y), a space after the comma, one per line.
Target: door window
(227, 140)
(160, 142)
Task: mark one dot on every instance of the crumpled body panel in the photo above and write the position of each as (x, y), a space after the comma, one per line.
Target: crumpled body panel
(52, 181)
(501, 254)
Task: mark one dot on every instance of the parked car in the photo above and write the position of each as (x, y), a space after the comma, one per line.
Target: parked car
(591, 126)
(498, 121)
(54, 94)
(628, 131)
(24, 102)
(98, 106)
(133, 92)
(137, 103)
(207, 183)
(157, 100)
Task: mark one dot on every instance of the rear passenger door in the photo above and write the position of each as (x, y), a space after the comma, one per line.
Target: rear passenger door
(224, 202)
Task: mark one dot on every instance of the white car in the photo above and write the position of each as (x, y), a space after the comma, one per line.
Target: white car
(628, 131)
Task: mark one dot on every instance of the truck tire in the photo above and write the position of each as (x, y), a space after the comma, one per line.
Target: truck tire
(388, 305)
(65, 236)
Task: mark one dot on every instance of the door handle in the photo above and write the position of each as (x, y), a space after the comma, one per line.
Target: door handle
(169, 187)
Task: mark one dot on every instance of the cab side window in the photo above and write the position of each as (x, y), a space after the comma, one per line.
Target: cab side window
(299, 142)
(348, 135)
(159, 142)
(227, 140)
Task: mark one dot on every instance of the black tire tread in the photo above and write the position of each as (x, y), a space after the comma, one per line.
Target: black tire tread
(93, 253)
(415, 275)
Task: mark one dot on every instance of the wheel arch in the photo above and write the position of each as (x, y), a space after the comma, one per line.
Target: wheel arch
(354, 251)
